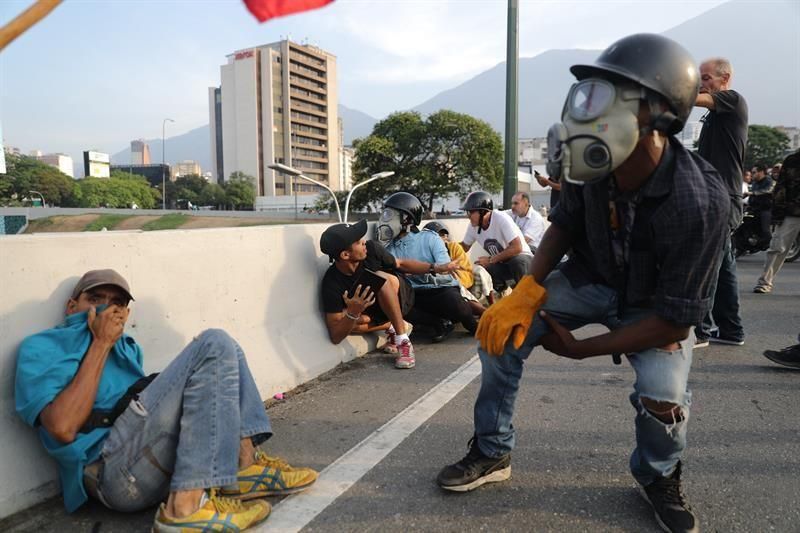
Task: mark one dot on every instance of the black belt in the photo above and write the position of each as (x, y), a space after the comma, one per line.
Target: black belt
(102, 418)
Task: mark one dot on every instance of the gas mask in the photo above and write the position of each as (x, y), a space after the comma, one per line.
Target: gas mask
(599, 130)
(390, 225)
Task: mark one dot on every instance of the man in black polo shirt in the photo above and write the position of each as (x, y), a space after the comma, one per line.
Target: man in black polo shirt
(722, 143)
(645, 219)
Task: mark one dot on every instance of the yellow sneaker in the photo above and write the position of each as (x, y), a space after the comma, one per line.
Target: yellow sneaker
(270, 476)
(225, 515)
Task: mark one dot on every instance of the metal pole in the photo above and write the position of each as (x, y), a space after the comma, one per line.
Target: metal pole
(164, 164)
(294, 190)
(163, 172)
(512, 104)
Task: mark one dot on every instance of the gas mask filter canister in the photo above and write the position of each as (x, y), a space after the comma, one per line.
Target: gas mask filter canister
(599, 129)
(390, 224)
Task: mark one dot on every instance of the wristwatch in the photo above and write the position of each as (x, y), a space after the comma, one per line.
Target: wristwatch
(432, 269)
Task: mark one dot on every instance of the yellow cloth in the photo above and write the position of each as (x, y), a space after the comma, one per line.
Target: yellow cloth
(511, 315)
(464, 272)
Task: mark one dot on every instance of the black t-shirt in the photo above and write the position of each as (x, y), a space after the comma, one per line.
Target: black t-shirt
(335, 282)
(722, 143)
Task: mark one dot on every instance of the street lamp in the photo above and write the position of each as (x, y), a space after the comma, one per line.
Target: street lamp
(40, 196)
(298, 174)
(163, 164)
(285, 169)
(379, 175)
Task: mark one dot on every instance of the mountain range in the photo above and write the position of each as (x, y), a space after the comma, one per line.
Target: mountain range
(761, 39)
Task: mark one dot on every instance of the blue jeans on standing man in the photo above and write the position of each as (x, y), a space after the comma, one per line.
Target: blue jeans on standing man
(660, 375)
(725, 313)
(183, 431)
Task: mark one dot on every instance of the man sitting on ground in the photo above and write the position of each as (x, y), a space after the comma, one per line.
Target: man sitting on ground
(189, 435)
(348, 299)
(529, 221)
(509, 255)
(438, 297)
(467, 273)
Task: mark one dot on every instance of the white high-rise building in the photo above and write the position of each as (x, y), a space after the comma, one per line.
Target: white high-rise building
(62, 162)
(533, 151)
(277, 103)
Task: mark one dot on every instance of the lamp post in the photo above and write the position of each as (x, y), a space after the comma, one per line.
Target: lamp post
(298, 174)
(163, 164)
(40, 196)
(379, 175)
(285, 169)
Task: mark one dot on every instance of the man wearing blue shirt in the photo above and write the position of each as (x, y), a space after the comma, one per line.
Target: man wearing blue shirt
(188, 434)
(438, 301)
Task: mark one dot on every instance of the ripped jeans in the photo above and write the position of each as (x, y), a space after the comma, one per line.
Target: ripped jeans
(660, 375)
(183, 432)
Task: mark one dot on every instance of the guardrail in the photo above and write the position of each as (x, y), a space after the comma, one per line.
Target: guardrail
(261, 284)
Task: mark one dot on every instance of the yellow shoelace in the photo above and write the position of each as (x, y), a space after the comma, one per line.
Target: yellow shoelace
(263, 459)
(225, 505)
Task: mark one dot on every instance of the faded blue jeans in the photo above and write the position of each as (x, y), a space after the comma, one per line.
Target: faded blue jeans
(184, 430)
(660, 375)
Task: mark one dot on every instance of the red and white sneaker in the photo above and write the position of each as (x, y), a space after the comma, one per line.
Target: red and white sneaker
(405, 355)
(391, 341)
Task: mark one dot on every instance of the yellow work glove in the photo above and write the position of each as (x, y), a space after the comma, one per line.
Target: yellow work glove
(510, 316)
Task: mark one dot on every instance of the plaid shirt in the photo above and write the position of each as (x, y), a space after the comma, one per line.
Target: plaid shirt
(672, 253)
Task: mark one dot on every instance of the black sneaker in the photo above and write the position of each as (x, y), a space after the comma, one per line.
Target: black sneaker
(672, 512)
(787, 357)
(442, 331)
(474, 470)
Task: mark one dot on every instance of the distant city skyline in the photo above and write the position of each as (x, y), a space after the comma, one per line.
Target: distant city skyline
(96, 75)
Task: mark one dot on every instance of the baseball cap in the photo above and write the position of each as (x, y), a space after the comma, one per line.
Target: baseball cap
(339, 237)
(96, 278)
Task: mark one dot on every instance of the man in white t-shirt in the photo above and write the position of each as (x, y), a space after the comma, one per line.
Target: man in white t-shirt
(529, 221)
(509, 255)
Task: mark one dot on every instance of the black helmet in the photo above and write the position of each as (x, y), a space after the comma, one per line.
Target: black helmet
(436, 227)
(406, 203)
(478, 201)
(657, 63)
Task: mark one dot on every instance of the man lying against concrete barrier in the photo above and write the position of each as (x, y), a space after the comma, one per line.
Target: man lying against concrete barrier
(645, 219)
(189, 434)
(362, 274)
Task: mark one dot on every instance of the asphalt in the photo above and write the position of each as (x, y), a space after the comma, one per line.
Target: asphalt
(574, 435)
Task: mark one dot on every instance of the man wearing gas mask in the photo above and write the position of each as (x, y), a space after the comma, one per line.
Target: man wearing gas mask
(645, 219)
(437, 295)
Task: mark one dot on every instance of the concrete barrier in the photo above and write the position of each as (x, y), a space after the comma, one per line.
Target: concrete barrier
(261, 284)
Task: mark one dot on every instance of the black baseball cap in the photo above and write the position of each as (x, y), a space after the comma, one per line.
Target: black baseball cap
(339, 237)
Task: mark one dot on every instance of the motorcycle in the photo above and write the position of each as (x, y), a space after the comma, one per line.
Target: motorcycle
(746, 239)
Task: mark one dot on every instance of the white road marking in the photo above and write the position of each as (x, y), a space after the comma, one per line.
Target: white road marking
(295, 512)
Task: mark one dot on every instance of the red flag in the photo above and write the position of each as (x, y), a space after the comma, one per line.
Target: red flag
(264, 10)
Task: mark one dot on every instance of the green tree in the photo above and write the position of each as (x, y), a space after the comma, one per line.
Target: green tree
(25, 174)
(212, 194)
(446, 153)
(121, 190)
(186, 188)
(240, 191)
(765, 146)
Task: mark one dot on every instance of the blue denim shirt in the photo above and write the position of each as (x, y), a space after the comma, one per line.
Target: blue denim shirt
(47, 363)
(424, 246)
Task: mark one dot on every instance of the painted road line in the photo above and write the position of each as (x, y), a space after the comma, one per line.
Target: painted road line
(295, 512)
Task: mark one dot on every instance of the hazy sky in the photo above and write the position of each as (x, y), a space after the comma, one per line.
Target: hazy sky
(98, 73)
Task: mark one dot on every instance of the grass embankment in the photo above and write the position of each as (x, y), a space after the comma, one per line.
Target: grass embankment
(171, 221)
(105, 221)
